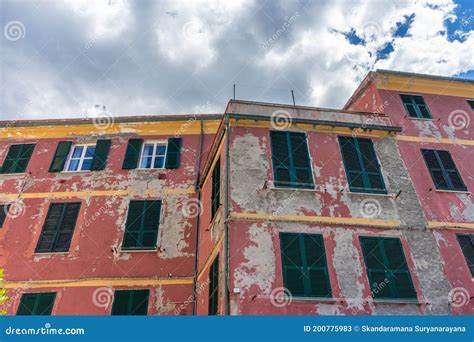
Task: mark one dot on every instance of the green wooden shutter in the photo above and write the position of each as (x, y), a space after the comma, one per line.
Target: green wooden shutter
(141, 227)
(471, 103)
(101, 153)
(443, 171)
(361, 165)
(17, 158)
(213, 297)
(467, 246)
(415, 106)
(3, 213)
(60, 156)
(132, 154)
(387, 270)
(216, 188)
(173, 153)
(58, 227)
(130, 302)
(290, 160)
(36, 303)
(305, 271)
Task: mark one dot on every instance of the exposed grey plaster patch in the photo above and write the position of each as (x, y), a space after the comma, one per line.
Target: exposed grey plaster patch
(428, 128)
(451, 132)
(327, 309)
(163, 306)
(433, 283)
(347, 263)
(395, 309)
(258, 266)
(463, 214)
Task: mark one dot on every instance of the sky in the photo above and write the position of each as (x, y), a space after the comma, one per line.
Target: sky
(61, 59)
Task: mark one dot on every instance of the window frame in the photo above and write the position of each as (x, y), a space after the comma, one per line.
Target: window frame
(415, 107)
(16, 160)
(292, 169)
(470, 103)
(213, 295)
(129, 302)
(154, 156)
(305, 268)
(470, 236)
(81, 158)
(388, 271)
(216, 188)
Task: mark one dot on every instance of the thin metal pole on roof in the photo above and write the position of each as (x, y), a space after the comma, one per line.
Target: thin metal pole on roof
(234, 91)
(293, 97)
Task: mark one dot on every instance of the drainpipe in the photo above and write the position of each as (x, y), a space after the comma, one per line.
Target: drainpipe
(196, 188)
(226, 218)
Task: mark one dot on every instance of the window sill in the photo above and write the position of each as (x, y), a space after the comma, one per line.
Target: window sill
(422, 119)
(287, 188)
(318, 299)
(65, 172)
(155, 249)
(369, 194)
(13, 174)
(50, 253)
(454, 191)
(396, 301)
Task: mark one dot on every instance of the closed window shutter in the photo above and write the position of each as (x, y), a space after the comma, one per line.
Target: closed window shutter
(101, 153)
(132, 154)
(173, 153)
(214, 287)
(141, 227)
(36, 303)
(388, 272)
(130, 302)
(361, 165)
(290, 159)
(3, 213)
(467, 246)
(17, 158)
(471, 103)
(415, 106)
(58, 228)
(305, 272)
(60, 156)
(443, 170)
(216, 188)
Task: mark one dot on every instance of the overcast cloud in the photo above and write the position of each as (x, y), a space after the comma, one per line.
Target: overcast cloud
(61, 58)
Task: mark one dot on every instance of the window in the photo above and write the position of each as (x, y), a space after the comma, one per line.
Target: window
(81, 158)
(58, 227)
(443, 171)
(361, 165)
(3, 213)
(471, 103)
(152, 155)
(17, 158)
(36, 304)
(130, 302)
(387, 269)
(216, 188)
(305, 271)
(214, 287)
(141, 228)
(467, 245)
(415, 106)
(290, 159)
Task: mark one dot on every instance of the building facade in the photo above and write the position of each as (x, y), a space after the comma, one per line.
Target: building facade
(266, 209)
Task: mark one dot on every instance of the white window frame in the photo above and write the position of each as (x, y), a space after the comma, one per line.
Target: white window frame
(81, 158)
(155, 143)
